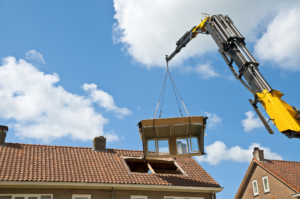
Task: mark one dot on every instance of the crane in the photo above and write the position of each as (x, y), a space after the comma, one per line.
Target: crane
(233, 49)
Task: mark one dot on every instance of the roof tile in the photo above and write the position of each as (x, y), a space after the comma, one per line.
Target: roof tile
(28, 162)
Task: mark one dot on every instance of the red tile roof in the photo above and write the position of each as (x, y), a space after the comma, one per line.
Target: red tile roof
(287, 171)
(45, 163)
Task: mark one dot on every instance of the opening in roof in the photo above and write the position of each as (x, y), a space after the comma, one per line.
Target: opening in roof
(152, 166)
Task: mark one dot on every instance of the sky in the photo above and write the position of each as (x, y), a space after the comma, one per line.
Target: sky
(71, 71)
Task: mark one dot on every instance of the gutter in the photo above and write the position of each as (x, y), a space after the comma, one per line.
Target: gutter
(82, 185)
(296, 195)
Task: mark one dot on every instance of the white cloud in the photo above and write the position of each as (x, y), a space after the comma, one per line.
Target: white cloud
(44, 111)
(105, 100)
(250, 122)
(34, 55)
(148, 30)
(281, 42)
(213, 120)
(206, 71)
(218, 152)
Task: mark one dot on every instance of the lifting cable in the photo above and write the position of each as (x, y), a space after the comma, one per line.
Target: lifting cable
(162, 94)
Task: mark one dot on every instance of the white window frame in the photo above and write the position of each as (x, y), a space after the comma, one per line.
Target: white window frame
(137, 196)
(187, 144)
(13, 196)
(176, 197)
(266, 190)
(81, 196)
(157, 145)
(255, 181)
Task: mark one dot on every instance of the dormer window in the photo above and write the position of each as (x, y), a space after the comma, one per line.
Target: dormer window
(173, 137)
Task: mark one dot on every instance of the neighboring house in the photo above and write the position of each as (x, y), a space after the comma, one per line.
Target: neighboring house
(29, 171)
(267, 179)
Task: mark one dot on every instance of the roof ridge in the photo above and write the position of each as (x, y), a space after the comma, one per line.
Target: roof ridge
(126, 150)
(283, 161)
(82, 147)
(14, 143)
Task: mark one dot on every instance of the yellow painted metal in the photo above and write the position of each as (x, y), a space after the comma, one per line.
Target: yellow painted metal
(201, 27)
(282, 114)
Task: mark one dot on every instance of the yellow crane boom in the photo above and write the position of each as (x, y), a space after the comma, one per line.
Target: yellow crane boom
(232, 48)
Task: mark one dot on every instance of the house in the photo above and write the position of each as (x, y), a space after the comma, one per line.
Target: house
(29, 171)
(267, 179)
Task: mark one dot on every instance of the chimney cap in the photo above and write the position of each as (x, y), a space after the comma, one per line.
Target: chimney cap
(255, 149)
(3, 128)
(258, 154)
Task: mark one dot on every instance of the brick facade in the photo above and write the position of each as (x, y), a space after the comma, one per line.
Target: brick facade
(102, 193)
(278, 190)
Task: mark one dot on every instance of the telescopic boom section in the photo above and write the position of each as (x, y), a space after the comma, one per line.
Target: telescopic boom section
(232, 47)
(187, 37)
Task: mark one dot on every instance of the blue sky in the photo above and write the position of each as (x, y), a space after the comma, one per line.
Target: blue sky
(71, 71)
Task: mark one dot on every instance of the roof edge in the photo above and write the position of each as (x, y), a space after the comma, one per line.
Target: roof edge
(63, 146)
(245, 178)
(22, 184)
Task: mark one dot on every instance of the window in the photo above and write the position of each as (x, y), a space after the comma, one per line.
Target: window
(187, 145)
(26, 196)
(182, 146)
(153, 166)
(139, 197)
(255, 187)
(266, 184)
(158, 147)
(80, 196)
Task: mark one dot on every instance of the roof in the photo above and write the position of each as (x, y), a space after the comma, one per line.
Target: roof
(286, 171)
(46, 163)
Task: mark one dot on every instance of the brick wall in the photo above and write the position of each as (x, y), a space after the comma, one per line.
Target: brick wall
(278, 190)
(102, 193)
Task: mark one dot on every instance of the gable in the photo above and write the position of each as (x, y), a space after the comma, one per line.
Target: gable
(278, 189)
(287, 171)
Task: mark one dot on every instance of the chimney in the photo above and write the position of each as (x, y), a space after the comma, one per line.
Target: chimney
(99, 143)
(3, 130)
(258, 154)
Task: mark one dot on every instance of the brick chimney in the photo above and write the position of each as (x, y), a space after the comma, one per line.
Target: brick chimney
(3, 130)
(258, 154)
(99, 143)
